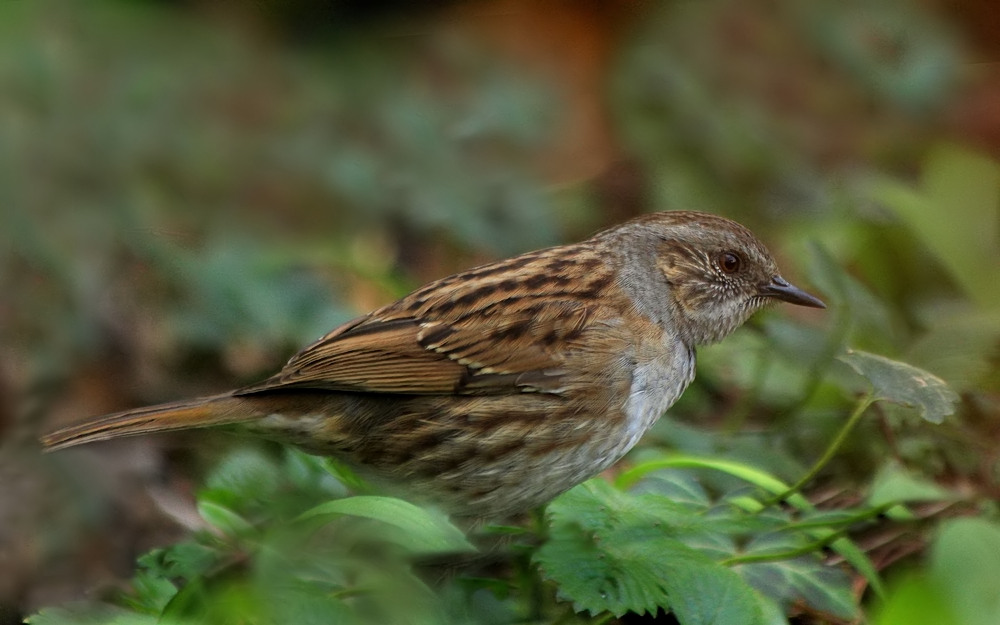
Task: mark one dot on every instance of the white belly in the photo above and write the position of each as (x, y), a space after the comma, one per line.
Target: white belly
(656, 385)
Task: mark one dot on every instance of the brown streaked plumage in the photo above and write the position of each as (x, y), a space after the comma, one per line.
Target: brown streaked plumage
(493, 390)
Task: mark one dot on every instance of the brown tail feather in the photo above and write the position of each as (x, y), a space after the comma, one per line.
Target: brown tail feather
(192, 413)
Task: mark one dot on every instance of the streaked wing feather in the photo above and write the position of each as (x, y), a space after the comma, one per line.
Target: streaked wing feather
(480, 332)
(373, 356)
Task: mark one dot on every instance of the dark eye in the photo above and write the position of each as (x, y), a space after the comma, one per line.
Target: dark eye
(729, 262)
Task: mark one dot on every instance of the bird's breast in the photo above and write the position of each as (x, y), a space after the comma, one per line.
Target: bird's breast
(658, 379)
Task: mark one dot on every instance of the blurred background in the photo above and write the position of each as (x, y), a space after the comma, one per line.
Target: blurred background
(190, 191)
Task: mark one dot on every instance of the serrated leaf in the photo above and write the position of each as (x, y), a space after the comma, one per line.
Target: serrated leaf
(153, 584)
(610, 551)
(151, 593)
(703, 592)
(424, 531)
(904, 384)
(639, 572)
(854, 555)
(596, 505)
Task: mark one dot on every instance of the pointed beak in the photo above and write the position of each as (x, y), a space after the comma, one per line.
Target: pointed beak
(779, 288)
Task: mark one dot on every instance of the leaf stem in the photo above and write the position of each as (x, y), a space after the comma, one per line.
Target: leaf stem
(775, 556)
(831, 450)
(865, 514)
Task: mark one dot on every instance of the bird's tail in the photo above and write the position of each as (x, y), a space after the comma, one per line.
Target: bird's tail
(180, 415)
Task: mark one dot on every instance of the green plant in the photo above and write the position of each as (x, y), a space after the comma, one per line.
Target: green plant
(172, 225)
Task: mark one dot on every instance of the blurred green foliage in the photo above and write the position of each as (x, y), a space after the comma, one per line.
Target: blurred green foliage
(186, 198)
(205, 171)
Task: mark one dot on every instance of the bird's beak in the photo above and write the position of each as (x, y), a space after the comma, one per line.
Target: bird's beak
(779, 288)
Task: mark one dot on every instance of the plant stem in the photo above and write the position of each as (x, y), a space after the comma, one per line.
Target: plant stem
(865, 514)
(831, 450)
(776, 556)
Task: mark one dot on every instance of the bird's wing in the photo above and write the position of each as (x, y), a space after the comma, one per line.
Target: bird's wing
(492, 330)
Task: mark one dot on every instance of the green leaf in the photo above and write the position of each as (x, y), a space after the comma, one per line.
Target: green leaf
(185, 560)
(745, 472)
(965, 566)
(153, 584)
(610, 551)
(958, 343)
(677, 485)
(152, 592)
(894, 484)
(309, 472)
(955, 214)
(856, 312)
(103, 615)
(424, 531)
(223, 518)
(904, 384)
(807, 579)
(854, 555)
(703, 592)
(305, 604)
(222, 600)
(246, 473)
(916, 599)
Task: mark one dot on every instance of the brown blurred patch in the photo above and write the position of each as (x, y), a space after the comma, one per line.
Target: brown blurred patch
(975, 116)
(979, 22)
(570, 44)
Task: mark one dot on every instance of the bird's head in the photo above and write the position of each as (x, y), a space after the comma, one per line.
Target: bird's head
(718, 273)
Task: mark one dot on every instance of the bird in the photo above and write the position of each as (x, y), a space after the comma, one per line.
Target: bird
(492, 391)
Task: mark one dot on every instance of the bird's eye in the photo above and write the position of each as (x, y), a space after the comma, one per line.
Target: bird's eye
(729, 262)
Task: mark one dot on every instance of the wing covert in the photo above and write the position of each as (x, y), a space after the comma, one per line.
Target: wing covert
(481, 332)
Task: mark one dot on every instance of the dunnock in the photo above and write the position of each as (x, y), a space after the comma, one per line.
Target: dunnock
(493, 390)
